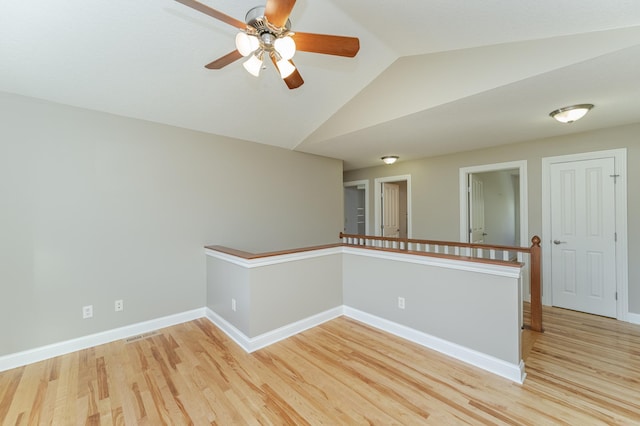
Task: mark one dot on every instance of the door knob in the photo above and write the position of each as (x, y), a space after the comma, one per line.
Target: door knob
(556, 242)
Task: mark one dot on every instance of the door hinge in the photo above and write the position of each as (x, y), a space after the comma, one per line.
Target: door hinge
(615, 178)
(615, 237)
(616, 295)
(469, 189)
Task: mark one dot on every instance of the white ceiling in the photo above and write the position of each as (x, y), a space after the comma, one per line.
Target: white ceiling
(431, 77)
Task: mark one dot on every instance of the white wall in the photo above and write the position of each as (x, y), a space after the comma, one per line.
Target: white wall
(96, 207)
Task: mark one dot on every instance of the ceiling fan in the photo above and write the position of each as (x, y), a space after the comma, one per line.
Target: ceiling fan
(267, 32)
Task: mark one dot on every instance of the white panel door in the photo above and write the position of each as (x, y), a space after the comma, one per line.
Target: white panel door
(476, 209)
(390, 210)
(583, 270)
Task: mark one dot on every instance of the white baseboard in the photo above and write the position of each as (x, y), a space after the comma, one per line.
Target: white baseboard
(514, 372)
(30, 356)
(633, 318)
(251, 344)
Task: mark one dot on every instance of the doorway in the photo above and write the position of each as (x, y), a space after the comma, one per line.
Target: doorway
(494, 199)
(502, 178)
(500, 203)
(584, 219)
(393, 213)
(356, 211)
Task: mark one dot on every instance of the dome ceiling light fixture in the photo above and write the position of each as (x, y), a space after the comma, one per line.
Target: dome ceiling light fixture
(267, 34)
(571, 113)
(389, 159)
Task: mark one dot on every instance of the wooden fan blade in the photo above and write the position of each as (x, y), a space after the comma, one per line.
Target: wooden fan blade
(327, 44)
(214, 13)
(294, 80)
(277, 11)
(224, 60)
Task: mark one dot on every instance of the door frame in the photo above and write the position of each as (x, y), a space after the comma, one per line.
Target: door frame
(524, 199)
(378, 204)
(622, 280)
(364, 182)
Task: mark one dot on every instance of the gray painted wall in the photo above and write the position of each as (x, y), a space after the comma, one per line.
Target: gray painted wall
(96, 207)
(226, 281)
(288, 292)
(273, 296)
(435, 187)
(474, 310)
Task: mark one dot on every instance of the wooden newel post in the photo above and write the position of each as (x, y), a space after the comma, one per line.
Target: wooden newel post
(535, 283)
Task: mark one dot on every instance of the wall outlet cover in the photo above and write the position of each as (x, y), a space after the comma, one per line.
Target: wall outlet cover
(87, 311)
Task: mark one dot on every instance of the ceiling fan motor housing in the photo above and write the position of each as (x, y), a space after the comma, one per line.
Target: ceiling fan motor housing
(255, 19)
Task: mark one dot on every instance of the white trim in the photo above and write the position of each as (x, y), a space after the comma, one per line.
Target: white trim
(494, 365)
(272, 260)
(251, 344)
(367, 210)
(524, 198)
(514, 372)
(622, 281)
(459, 265)
(633, 318)
(378, 205)
(30, 356)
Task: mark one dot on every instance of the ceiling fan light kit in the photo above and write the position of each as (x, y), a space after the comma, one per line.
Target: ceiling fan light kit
(262, 38)
(285, 68)
(253, 65)
(571, 113)
(267, 30)
(285, 46)
(246, 44)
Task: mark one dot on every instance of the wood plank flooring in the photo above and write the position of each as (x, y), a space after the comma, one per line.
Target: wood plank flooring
(584, 370)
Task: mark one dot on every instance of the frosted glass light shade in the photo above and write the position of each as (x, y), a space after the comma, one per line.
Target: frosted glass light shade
(389, 159)
(285, 67)
(246, 44)
(285, 46)
(253, 65)
(571, 113)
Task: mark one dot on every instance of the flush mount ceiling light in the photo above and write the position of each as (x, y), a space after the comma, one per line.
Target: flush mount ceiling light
(571, 113)
(389, 159)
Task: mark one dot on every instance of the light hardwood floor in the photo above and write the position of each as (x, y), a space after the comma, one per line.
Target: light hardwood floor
(584, 370)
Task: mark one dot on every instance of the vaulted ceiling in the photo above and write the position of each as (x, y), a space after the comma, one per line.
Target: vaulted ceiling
(432, 76)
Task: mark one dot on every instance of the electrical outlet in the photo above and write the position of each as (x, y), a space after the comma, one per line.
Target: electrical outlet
(87, 311)
(233, 305)
(401, 302)
(119, 305)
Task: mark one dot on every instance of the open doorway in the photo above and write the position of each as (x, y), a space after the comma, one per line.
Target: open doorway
(494, 207)
(515, 231)
(393, 206)
(504, 187)
(356, 211)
